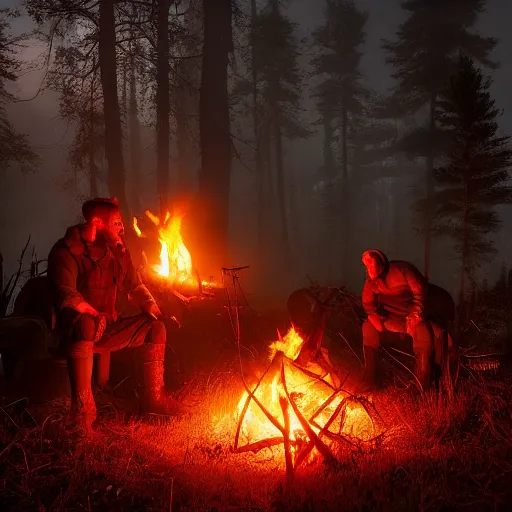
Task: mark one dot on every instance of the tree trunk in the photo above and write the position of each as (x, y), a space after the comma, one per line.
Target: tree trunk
(93, 168)
(397, 218)
(429, 187)
(345, 195)
(162, 104)
(1, 273)
(188, 77)
(135, 139)
(113, 132)
(330, 201)
(464, 256)
(182, 136)
(124, 95)
(281, 192)
(260, 171)
(214, 124)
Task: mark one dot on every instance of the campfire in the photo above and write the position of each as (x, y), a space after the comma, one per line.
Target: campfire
(299, 409)
(175, 262)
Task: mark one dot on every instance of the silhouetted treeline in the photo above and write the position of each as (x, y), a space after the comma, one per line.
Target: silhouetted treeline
(222, 86)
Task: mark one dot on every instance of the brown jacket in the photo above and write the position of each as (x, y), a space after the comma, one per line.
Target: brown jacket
(75, 276)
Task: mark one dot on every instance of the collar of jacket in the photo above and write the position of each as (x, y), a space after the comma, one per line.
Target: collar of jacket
(76, 244)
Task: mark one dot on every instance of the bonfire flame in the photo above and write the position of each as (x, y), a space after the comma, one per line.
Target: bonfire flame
(175, 260)
(298, 407)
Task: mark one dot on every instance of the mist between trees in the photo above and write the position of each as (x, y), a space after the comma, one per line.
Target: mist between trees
(283, 155)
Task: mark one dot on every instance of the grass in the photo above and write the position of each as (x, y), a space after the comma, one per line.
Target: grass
(434, 454)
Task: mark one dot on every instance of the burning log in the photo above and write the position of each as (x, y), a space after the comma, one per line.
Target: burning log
(174, 269)
(305, 408)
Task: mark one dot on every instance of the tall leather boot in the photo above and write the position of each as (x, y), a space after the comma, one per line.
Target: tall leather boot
(102, 370)
(83, 407)
(423, 369)
(370, 368)
(156, 398)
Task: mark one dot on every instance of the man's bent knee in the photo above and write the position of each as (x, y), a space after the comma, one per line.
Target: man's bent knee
(157, 333)
(371, 336)
(84, 328)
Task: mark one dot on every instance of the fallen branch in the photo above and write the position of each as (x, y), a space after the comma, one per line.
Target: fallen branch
(320, 446)
(260, 445)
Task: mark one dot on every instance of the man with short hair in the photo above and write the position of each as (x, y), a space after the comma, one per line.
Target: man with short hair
(85, 269)
(395, 299)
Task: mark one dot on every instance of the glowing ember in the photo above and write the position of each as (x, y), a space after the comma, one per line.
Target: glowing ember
(175, 261)
(329, 413)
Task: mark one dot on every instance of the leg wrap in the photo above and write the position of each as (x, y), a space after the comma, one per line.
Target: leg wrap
(80, 349)
(156, 398)
(423, 346)
(371, 336)
(80, 362)
(157, 334)
(102, 365)
(423, 339)
(370, 365)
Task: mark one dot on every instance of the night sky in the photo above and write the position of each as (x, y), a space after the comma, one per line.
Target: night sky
(36, 204)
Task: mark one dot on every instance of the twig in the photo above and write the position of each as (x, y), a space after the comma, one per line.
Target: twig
(404, 366)
(260, 445)
(172, 491)
(7, 414)
(246, 405)
(12, 443)
(286, 442)
(319, 444)
(350, 347)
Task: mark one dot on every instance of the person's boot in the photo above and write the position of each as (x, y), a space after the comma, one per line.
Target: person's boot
(156, 399)
(423, 369)
(102, 364)
(369, 382)
(83, 407)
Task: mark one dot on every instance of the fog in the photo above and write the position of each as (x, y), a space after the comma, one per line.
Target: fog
(41, 206)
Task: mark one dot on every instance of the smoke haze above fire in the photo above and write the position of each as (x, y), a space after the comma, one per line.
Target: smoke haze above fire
(38, 204)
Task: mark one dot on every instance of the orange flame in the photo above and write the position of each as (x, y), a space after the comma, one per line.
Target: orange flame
(175, 260)
(308, 393)
(290, 345)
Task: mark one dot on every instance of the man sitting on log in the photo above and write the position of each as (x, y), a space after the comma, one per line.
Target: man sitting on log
(85, 269)
(398, 299)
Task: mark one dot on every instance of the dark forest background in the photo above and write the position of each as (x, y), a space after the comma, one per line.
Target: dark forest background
(296, 134)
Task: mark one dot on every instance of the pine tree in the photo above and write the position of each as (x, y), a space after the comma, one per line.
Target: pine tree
(275, 56)
(424, 56)
(268, 96)
(75, 77)
(215, 134)
(475, 177)
(14, 146)
(341, 101)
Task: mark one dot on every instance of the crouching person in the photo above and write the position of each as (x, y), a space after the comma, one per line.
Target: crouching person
(395, 298)
(85, 269)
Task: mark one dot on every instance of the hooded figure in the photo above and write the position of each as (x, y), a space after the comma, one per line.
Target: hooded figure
(85, 270)
(396, 298)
